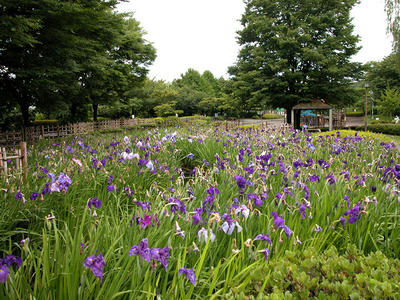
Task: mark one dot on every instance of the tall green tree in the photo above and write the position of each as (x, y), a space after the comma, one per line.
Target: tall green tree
(383, 74)
(70, 54)
(293, 51)
(389, 102)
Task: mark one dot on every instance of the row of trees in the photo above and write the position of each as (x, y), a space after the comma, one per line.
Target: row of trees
(67, 57)
(193, 93)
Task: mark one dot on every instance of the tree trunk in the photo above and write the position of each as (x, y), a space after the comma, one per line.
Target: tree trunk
(25, 113)
(95, 108)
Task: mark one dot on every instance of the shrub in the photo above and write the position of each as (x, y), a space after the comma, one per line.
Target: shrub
(171, 121)
(271, 116)
(301, 275)
(345, 133)
(393, 129)
(44, 122)
(355, 114)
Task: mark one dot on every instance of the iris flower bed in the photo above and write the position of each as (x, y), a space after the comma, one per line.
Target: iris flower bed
(196, 212)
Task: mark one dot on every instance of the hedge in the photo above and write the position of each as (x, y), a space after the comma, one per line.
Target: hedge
(355, 114)
(393, 129)
(271, 116)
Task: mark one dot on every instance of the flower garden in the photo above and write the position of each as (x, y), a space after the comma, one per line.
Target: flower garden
(203, 212)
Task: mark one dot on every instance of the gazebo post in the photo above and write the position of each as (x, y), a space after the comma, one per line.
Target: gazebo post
(292, 113)
(330, 120)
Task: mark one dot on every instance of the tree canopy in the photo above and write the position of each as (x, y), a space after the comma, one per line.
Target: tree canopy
(293, 51)
(60, 53)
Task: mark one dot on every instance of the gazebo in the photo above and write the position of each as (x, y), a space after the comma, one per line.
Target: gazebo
(311, 114)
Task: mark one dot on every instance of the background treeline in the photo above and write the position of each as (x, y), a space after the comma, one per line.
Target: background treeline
(73, 60)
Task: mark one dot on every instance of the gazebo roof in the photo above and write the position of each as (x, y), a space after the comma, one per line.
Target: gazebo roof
(313, 104)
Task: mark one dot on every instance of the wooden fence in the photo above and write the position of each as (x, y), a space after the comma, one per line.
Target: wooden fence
(34, 133)
(21, 162)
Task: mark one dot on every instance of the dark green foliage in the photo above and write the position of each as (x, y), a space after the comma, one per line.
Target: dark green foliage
(300, 275)
(355, 114)
(294, 51)
(393, 129)
(384, 74)
(61, 56)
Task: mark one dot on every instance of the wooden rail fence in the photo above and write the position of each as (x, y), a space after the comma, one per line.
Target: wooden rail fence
(34, 133)
(21, 161)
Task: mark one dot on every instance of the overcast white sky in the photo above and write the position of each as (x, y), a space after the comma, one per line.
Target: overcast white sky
(201, 34)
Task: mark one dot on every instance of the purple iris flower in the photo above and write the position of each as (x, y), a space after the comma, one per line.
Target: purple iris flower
(190, 156)
(60, 184)
(19, 195)
(196, 218)
(257, 201)
(178, 205)
(110, 179)
(212, 191)
(287, 230)
(240, 181)
(346, 198)
(96, 264)
(314, 178)
(94, 202)
(4, 271)
(141, 249)
(279, 196)
(146, 220)
(331, 178)
(34, 196)
(266, 253)
(263, 237)
(353, 213)
(342, 221)
(128, 191)
(302, 211)
(9, 259)
(189, 273)
(103, 162)
(111, 188)
(279, 222)
(317, 228)
(143, 205)
(160, 254)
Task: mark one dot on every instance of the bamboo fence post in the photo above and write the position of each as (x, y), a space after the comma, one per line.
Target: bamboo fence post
(1, 160)
(17, 159)
(24, 159)
(4, 158)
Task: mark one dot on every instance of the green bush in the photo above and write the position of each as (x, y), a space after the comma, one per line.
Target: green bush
(171, 121)
(355, 114)
(393, 129)
(271, 116)
(44, 122)
(377, 122)
(99, 119)
(304, 274)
